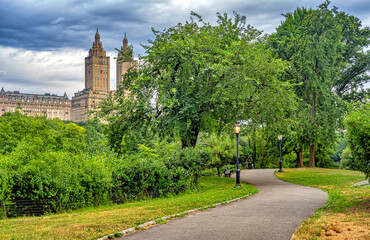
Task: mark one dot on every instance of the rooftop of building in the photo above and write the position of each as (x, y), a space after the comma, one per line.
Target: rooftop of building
(31, 96)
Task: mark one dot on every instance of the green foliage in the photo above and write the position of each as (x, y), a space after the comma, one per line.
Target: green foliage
(192, 160)
(198, 77)
(147, 177)
(94, 223)
(51, 164)
(39, 132)
(357, 123)
(95, 138)
(62, 180)
(347, 160)
(325, 50)
(289, 160)
(341, 145)
(222, 149)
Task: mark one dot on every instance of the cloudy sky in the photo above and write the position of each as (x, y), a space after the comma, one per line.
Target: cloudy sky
(43, 43)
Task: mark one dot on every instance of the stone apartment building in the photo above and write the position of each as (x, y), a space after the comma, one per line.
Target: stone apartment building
(122, 64)
(97, 83)
(49, 105)
(97, 79)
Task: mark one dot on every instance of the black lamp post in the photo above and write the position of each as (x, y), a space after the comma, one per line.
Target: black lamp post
(237, 129)
(280, 137)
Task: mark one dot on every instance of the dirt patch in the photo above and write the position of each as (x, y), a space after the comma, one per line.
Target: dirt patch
(342, 227)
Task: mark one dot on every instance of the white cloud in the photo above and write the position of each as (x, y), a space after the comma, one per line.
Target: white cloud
(46, 71)
(56, 21)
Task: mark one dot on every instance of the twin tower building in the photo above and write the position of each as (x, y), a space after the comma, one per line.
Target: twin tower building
(97, 79)
(97, 87)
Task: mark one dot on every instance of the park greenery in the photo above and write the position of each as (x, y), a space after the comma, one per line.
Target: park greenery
(96, 222)
(170, 121)
(198, 79)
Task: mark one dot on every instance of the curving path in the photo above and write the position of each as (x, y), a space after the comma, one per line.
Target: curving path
(274, 213)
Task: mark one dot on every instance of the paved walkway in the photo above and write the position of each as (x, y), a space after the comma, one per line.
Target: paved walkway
(274, 213)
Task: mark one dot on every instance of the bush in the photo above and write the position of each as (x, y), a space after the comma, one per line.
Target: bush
(60, 180)
(357, 123)
(137, 177)
(222, 150)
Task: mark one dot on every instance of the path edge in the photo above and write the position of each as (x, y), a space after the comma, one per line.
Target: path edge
(182, 214)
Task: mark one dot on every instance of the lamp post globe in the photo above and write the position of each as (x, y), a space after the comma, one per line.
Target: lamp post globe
(280, 137)
(237, 129)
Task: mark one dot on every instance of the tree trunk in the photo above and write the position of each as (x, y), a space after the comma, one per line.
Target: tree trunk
(189, 139)
(312, 156)
(254, 153)
(299, 158)
(312, 146)
(4, 209)
(218, 171)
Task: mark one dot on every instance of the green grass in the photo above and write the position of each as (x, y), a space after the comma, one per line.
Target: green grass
(92, 223)
(347, 208)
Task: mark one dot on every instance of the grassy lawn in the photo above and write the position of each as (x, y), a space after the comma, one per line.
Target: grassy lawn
(94, 223)
(347, 213)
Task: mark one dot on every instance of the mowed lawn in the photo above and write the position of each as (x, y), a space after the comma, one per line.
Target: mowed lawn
(347, 213)
(94, 223)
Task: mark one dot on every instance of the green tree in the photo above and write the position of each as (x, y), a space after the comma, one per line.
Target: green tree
(347, 160)
(43, 133)
(323, 46)
(357, 123)
(198, 77)
(222, 150)
(349, 84)
(13, 127)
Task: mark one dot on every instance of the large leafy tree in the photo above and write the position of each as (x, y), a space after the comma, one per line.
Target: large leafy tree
(324, 47)
(349, 84)
(198, 77)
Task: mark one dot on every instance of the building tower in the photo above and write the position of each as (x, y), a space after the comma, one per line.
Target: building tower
(97, 82)
(123, 63)
(97, 67)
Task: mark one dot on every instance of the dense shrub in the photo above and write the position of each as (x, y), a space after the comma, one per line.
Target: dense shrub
(138, 177)
(357, 123)
(64, 166)
(62, 180)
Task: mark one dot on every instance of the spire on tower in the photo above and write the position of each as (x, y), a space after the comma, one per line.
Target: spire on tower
(97, 37)
(125, 42)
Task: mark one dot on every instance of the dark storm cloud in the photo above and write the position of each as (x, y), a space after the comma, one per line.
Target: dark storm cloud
(45, 25)
(67, 25)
